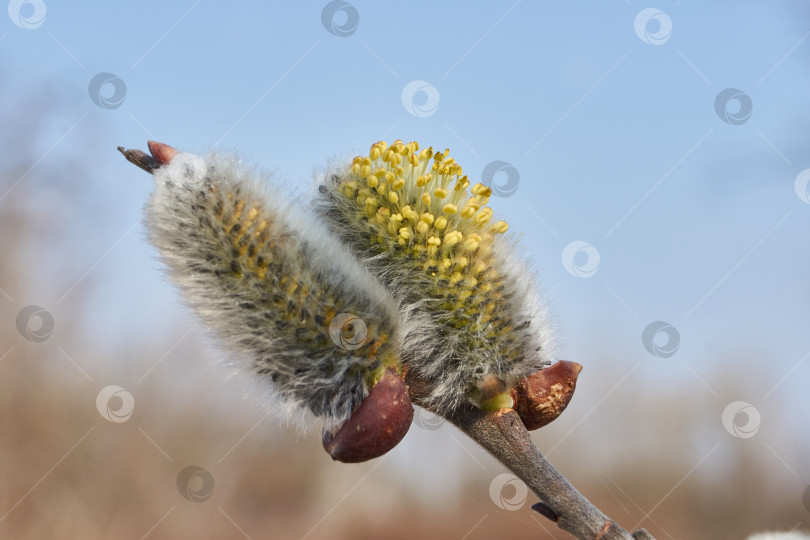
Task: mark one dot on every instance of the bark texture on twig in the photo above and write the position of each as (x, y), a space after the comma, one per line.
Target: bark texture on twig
(503, 435)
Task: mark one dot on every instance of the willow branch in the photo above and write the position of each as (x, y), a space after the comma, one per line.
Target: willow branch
(503, 435)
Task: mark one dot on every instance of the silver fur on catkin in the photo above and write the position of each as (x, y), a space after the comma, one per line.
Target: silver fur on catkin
(273, 285)
(479, 325)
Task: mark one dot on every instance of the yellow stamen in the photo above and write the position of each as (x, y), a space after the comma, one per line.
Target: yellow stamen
(500, 227)
(452, 238)
(483, 216)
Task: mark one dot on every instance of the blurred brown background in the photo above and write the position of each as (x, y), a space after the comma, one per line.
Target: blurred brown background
(644, 437)
(656, 457)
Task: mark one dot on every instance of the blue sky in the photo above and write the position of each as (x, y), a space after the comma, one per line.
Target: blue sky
(614, 134)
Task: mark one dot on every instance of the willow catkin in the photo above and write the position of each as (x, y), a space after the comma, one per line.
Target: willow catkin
(273, 285)
(427, 234)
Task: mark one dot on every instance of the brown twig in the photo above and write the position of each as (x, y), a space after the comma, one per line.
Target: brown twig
(503, 435)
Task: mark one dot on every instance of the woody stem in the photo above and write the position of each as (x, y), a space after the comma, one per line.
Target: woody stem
(503, 435)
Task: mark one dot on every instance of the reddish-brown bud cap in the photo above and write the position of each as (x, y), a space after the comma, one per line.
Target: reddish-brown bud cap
(163, 153)
(376, 426)
(543, 396)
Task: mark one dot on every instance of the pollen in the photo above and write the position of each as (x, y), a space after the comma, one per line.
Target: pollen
(452, 238)
(500, 227)
(483, 216)
(481, 189)
(471, 244)
(438, 228)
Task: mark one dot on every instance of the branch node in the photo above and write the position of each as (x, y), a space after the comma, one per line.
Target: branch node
(542, 509)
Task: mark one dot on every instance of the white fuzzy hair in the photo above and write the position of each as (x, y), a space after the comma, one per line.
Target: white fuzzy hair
(276, 321)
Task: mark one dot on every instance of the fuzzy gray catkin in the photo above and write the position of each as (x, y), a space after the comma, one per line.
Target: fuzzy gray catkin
(479, 326)
(272, 285)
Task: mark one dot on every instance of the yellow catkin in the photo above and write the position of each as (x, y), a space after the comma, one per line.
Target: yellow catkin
(423, 206)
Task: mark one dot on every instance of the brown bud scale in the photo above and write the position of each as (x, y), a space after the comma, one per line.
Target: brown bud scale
(376, 426)
(543, 396)
(163, 153)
